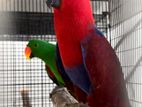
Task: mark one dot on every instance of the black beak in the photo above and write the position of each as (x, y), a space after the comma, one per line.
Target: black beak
(53, 3)
(31, 56)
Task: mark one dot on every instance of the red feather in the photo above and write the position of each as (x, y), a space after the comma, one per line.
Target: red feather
(102, 64)
(73, 22)
(70, 28)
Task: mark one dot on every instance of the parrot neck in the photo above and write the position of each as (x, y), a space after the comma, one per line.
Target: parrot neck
(48, 56)
(72, 23)
(51, 63)
(50, 60)
(73, 17)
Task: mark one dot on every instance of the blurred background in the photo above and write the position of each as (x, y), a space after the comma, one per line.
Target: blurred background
(23, 20)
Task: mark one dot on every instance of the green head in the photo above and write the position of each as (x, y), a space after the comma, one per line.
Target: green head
(41, 49)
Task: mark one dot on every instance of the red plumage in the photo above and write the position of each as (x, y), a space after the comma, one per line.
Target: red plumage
(74, 29)
(105, 73)
(80, 95)
(71, 21)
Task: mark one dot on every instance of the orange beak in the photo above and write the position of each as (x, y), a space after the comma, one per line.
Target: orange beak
(28, 52)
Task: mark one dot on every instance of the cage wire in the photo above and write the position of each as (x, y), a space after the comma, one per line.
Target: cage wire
(126, 38)
(21, 21)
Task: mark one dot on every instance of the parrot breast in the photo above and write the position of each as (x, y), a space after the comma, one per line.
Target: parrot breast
(70, 22)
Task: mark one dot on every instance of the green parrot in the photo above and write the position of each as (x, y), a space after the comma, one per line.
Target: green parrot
(47, 53)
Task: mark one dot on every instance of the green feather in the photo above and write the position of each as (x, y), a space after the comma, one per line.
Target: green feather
(47, 53)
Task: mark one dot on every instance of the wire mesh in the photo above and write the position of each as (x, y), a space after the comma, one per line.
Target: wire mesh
(18, 73)
(126, 38)
(22, 20)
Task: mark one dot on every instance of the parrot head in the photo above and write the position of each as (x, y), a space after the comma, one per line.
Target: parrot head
(39, 48)
(53, 3)
(58, 4)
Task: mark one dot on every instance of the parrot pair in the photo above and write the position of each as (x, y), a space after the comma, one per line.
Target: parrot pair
(49, 53)
(88, 59)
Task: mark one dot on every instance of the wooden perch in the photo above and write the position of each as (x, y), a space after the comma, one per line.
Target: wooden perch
(25, 97)
(62, 98)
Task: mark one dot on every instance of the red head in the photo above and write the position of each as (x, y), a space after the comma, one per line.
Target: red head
(72, 16)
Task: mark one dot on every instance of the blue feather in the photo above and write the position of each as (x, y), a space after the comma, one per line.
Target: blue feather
(60, 65)
(80, 77)
(98, 32)
(78, 74)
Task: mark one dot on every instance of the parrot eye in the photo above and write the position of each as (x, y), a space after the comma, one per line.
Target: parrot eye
(35, 45)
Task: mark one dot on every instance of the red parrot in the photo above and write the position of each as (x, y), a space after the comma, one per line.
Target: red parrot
(88, 58)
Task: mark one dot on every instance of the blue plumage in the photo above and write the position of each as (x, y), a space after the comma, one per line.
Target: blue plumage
(60, 65)
(80, 77)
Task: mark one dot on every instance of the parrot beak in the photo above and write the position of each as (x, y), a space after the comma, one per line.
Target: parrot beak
(28, 52)
(53, 3)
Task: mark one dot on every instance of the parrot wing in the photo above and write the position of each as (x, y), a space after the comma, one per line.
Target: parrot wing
(74, 90)
(61, 70)
(51, 75)
(103, 67)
